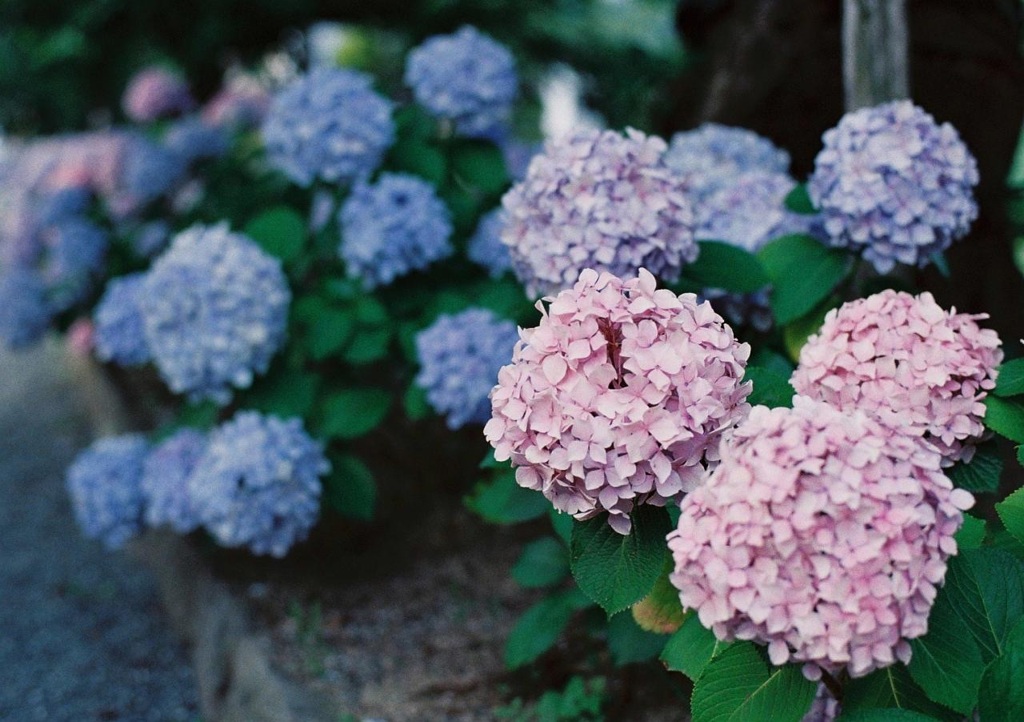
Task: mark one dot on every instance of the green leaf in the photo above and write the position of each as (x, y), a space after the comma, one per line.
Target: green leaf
(1002, 687)
(802, 272)
(691, 648)
(329, 331)
(1010, 380)
(795, 335)
(503, 501)
(892, 687)
(776, 362)
(368, 346)
(738, 686)
(617, 570)
(562, 523)
(413, 121)
(280, 231)
(947, 662)
(986, 589)
(628, 643)
(799, 201)
(351, 413)
(971, 534)
(540, 627)
(770, 387)
(982, 473)
(660, 611)
(420, 157)
(284, 393)
(481, 164)
(1011, 512)
(350, 489)
(414, 401)
(722, 265)
(1020, 455)
(884, 715)
(543, 563)
(1005, 417)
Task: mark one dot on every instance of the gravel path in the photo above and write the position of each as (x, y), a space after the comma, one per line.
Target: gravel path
(82, 636)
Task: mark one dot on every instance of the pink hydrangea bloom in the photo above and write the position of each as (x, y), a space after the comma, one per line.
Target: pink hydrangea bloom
(619, 397)
(822, 534)
(155, 93)
(598, 199)
(909, 363)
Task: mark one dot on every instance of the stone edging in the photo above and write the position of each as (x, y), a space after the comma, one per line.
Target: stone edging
(230, 655)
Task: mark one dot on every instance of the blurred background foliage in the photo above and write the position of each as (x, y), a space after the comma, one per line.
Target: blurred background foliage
(64, 64)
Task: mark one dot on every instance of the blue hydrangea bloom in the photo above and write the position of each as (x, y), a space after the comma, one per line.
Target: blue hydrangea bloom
(894, 185)
(62, 205)
(25, 313)
(151, 238)
(466, 77)
(393, 227)
(193, 140)
(460, 356)
(215, 310)
(165, 476)
(329, 124)
(74, 254)
(104, 484)
(119, 334)
(151, 170)
(257, 485)
(485, 246)
(712, 155)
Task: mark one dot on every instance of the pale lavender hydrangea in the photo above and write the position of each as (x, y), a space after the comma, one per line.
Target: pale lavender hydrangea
(329, 124)
(907, 362)
(257, 485)
(485, 247)
(597, 199)
(466, 77)
(155, 93)
(104, 485)
(393, 227)
(164, 482)
(713, 155)
(119, 331)
(894, 185)
(25, 314)
(619, 397)
(215, 309)
(460, 356)
(822, 534)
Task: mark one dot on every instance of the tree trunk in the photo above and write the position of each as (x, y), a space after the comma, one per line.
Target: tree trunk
(875, 52)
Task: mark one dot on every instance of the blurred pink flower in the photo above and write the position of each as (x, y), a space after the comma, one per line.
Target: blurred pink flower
(80, 337)
(619, 397)
(155, 93)
(906, 361)
(822, 534)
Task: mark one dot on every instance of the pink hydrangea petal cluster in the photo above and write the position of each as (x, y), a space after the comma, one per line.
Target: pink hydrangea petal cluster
(598, 199)
(155, 93)
(823, 534)
(908, 362)
(619, 397)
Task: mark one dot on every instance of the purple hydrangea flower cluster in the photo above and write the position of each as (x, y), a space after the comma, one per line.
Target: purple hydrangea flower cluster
(329, 124)
(119, 334)
(466, 77)
(155, 93)
(257, 485)
(619, 397)
(393, 227)
(712, 156)
(894, 185)
(597, 199)
(192, 140)
(460, 356)
(104, 484)
(25, 313)
(485, 247)
(165, 475)
(215, 310)
(823, 534)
